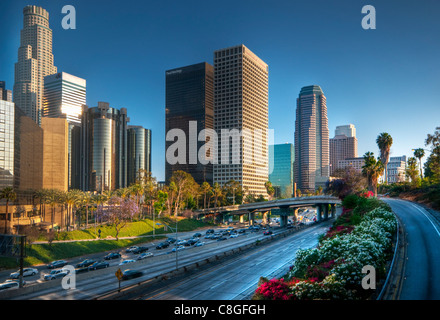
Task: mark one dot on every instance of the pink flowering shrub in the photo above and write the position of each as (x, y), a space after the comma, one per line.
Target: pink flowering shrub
(275, 289)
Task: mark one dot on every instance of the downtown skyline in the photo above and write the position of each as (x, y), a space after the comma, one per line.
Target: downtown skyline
(373, 81)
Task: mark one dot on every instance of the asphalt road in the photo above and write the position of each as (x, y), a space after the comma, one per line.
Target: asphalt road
(235, 279)
(421, 279)
(91, 287)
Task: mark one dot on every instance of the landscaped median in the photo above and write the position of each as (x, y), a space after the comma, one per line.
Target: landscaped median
(361, 236)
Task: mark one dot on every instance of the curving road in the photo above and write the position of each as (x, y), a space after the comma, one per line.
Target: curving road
(421, 273)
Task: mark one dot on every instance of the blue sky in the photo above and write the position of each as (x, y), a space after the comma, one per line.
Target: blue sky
(383, 80)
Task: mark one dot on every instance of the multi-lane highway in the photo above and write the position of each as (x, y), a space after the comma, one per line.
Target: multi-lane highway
(420, 279)
(89, 287)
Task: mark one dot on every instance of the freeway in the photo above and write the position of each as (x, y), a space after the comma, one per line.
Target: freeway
(96, 283)
(237, 278)
(420, 278)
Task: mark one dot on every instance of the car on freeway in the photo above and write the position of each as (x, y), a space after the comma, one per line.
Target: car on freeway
(199, 244)
(85, 263)
(139, 250)
(234, 235)
(112, 255)
(144, 255)
(127, 261)
(289, 226)
(179, 248)
(15, 280)
(9, 285)
(209, 231)
(57, 264)
(99, 265)
(130, 249)
(197, 235)
(131, 274)
(171, 240)
(268, 232)
(192, 242)
(221, 239)
(162, 245)
(81, 270)
(182, 242)
(242, 231)
(26, 272)
(208, 236)
(56, 274)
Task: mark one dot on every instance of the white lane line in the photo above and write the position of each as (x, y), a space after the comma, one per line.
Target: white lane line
(427, 217)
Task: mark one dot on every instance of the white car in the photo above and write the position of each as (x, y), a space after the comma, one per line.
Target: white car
(178, 248)
(144, 255)
(9, 285)
(126, 261)
(26, 272)
(233, 235)
(199, 244)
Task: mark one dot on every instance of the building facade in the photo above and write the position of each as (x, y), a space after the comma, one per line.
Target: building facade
(357, 163)
(311, 168)
(396, 169)
(35, 61)
(241, 118)
(103, 147)
(64, 97)
(342, 146)
(189, 95)
(5, 95)
(281, 159)
(138, 153)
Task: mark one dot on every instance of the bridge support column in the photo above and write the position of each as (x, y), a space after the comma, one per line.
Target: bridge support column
(333, 210)
(266, 217)
(325, 211)
(241, 218)
(319, 213)
(251, 218)
(284, 215)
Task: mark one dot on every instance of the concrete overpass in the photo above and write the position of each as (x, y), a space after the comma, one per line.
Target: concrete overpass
(326, 207)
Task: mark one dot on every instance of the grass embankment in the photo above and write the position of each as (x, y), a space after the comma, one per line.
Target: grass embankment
(428, 195)
(45, 253)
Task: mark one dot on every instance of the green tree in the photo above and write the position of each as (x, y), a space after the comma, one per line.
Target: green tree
(384, 142)
(269, 189)
(419, 154)
(9, 195)
(217, 193)
(204, 189)
(184, 183)
(372, 169)
(412, 171)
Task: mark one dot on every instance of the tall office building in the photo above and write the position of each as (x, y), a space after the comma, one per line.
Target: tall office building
(189, 108)
(241, 118)
(5, 95)
(64, 97)
(35, 61)
(138, 152)
(342, 146)
(348, 130)
(281, 159)
(311, 168)
(103, 148)
(21, 156)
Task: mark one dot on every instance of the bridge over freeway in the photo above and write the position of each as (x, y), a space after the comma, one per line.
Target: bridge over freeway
(325, 205)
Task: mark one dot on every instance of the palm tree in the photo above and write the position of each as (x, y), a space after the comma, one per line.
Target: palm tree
(419, 154)
(217, 192)
(52, 199)
(384, 142)
(204, 188)
(270, 189)
(372, 169)
(9, 195)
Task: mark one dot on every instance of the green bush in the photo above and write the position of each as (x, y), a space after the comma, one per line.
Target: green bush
(350, 201)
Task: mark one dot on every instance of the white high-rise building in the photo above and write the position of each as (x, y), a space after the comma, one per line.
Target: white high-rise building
(64, 96)
(35, 61)
(241, 102)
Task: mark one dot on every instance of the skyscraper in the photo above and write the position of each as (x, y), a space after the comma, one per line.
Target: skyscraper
(189, 108)
(281, 158)
(138, 152)
(5, 95)
(342, 146)
(64, 97)
(311, 167)
(241, 118)
(35, 61)
(103, 146)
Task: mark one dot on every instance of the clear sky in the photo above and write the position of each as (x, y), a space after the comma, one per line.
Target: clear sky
(383, 80)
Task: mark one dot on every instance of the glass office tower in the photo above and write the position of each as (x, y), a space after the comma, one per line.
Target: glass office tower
(281, 158)
(138, 152)
(190, 97)
(103, 148)
(311, 140)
